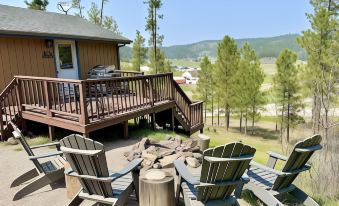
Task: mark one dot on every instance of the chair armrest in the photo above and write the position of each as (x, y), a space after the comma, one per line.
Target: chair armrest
(184, 173)
(273, 158)
(45, 155)
(277, 156)
(131, 166)
(245, 178)
(57, 144)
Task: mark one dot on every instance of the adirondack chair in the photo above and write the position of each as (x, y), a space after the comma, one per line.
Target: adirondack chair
(49, 171)
(268, 184)
(222, 171)
(88, 163)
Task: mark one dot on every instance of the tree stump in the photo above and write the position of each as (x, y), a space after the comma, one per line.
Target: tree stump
(204, 142)
(156, 187)
(72, 184)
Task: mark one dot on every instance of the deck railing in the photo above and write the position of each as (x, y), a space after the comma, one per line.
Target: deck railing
(87, 101)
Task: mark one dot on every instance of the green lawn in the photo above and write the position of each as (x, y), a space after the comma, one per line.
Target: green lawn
(186, 63)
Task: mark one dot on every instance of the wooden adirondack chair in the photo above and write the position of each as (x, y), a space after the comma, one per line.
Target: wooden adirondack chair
(267, 183)
(222, 171)
(88, 163)
(49, 171)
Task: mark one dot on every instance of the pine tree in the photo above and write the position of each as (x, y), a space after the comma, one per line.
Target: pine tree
(159, 61)
(204, 85)
(287, 90)
(321, 45)
(37, 4)
(110, 24)
(152, 27)
(138, 51)
(94, 14)
(227, 65)
(102, 10)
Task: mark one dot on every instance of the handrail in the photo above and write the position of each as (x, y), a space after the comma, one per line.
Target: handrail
(179, 89)
(8, 87)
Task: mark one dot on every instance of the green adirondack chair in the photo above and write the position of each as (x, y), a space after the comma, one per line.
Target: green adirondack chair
(222, 172)
(48, 171)
(268, 184)
(88, 163)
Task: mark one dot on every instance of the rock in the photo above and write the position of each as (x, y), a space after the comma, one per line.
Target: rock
(147, 162)
(130, 156)
(195, 149)
(192, 162)
(169, 144)
(166, 152)
(157, 166)
(148, 156)
(182, 158)
(167, 161)
(143, 143)
(178, 139)
(188, 154)
(126, 154)
(198, 156)
(12, 141)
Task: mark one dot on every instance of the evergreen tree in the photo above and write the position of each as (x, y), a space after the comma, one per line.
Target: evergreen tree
(152, 27)
(248, 81)
(159, 61)
(37, 4)
(287, 91)
(204, 84)
(227, 65)
(138, 51)
(94, 14)
(102, 10)
(321, 45)
(110, 24)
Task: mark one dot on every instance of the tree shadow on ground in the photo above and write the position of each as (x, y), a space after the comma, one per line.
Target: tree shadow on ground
(260, 132)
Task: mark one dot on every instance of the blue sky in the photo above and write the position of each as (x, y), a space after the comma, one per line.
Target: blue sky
(188, 21)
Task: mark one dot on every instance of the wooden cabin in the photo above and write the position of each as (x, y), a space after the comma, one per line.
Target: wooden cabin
(44, 61)
(46, 44)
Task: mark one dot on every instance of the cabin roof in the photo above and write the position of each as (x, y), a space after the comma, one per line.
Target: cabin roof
(27, 22)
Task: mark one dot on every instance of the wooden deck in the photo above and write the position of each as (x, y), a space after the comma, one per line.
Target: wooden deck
(84, 106)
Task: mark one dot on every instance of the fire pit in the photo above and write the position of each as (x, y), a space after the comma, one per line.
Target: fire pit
(161, 154)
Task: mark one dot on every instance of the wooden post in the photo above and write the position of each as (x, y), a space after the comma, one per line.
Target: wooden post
(51, 132)
(156, 188)
(84, 115)
(125, 128)
(172, 120)
(153, 121)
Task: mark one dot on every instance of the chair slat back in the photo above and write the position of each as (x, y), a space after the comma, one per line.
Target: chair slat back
(221, 172)
(296, 160)
(92, 165)
(19, 136)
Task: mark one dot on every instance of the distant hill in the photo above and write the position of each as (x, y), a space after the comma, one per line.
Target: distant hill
(264, 47)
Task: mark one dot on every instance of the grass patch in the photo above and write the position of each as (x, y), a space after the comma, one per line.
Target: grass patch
(18, 149)
(185, 63)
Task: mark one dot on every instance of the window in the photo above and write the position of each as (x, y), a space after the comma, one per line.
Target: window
(65, 56)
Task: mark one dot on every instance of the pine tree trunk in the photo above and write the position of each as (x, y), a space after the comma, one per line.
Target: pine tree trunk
(205, 111)
(228, 119)
(253, 116)
(288, 122)
(240, 121)
(246, 123)
(155, 40)
(218, 113)
(212, 110)
(226, 123)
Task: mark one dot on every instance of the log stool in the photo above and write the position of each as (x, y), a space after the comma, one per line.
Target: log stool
(156, 187)
(204, 142)
(72, 184)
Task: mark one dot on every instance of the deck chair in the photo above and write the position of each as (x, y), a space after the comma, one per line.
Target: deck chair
(268, 184)
(88, 163)
(222, 171)
(49, 171)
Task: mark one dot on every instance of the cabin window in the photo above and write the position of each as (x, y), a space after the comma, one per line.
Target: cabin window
(65, 56)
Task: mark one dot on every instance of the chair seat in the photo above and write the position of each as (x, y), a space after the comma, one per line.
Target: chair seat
(261, 178)
(54, 164)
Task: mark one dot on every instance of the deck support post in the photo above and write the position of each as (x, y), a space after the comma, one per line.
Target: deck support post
(125, 128)
(51, 132)
(172, 119)
(24, 126)
(201, 131)
(153, 121)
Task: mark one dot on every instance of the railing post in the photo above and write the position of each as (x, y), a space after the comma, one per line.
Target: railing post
(48, 99)
(172, 87)
(84, 115)
(19, 96)
(190, 116)
(152, 91)
(1, 120)
(201, 113)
